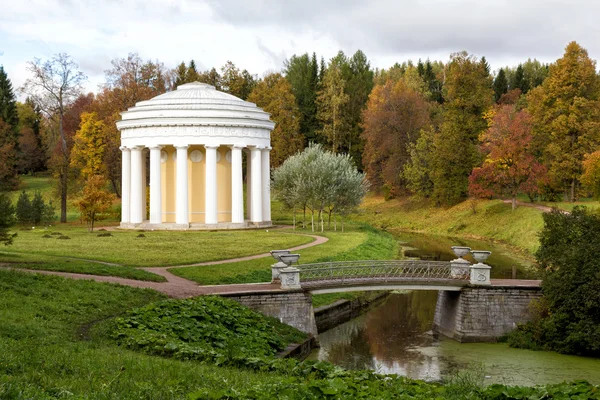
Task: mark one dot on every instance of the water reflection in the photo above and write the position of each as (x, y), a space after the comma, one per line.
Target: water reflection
(396, 338)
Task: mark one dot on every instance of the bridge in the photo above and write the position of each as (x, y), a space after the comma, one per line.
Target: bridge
(470, 306)
(348, 276)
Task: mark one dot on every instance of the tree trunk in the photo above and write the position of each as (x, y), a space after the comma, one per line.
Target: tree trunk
(312, 220)
(304, 218)
(115, 188)
(322, 224)
(342, 223)
(294, 218)
(64, 173)
(335, 222)
(514, 202)
(572, 190)
(329, 220)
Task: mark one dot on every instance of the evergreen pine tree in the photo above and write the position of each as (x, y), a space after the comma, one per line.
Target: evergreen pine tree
(191, 74)
(180, 74)
(23, 209)
(486, 66)
(7, 219)
(421, 68)
(500, 84)
(520, 80)
(9, 134)
(37, 208)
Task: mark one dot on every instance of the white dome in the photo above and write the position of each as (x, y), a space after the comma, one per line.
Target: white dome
(198, 112)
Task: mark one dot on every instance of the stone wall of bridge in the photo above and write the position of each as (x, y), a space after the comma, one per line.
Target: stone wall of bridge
(292, 307)
(483, 314)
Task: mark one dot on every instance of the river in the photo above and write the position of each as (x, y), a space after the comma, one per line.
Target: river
(396, 336)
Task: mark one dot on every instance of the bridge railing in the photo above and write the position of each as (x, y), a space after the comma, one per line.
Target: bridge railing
(349, 272)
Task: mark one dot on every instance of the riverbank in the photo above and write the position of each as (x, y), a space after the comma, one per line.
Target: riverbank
(52, 346)
(491, 220)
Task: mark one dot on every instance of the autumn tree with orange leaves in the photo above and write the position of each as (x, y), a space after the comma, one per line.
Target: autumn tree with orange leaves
(510, 166)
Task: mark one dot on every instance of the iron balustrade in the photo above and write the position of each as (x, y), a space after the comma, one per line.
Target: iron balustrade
(356, 272)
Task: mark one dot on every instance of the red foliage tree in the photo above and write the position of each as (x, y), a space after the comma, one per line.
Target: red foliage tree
(509, 167)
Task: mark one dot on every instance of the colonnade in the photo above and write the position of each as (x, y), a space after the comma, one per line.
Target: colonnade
(133, 208)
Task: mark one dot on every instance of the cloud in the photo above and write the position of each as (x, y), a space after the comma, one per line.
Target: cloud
(258, 35)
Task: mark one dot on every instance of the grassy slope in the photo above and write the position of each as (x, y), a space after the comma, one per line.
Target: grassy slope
(158, 248)
(42, 354)
(358, 243)
(51, 263)
(493, 220)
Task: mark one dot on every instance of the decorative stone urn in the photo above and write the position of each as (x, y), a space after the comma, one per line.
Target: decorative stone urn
(290, 278)
(480, 272)
(279, 265)
(459, 268)
(289, 259)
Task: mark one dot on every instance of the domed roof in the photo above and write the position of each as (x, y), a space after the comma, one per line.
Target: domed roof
(195, 104)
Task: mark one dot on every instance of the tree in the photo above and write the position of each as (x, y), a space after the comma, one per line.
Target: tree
(567, 259)
(95, 201)
(23, 211)
(302, 73)
(566, 115)
(591, 173)
(500, 85)
(129, 81)
(33, 151)
(467, 94)
(520, 80)
(509, 166)
(320, 181)
(417, 172)
(7, 219)
(239, 84)
(90, 146)
(331, 101)
(211, 77)
(191, 75)
(394, 116)
(9, 134)
(54, 85)
(180, 74)
(359, 84)
(274, 95)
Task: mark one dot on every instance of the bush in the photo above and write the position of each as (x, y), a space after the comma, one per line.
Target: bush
(568, 259)
(206, 328)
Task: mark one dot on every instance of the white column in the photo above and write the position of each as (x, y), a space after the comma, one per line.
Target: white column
(182, 214)
(155, 186)
(144, 199)
(237, 188)
(256, 186)
(266, 184)
(248, 186)
(137, 188)
(210, 191)
(125, 183)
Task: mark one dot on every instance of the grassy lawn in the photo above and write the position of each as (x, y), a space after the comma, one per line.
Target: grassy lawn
(359, 242)
(492, 220)
(48, 351)
(157, 248)
(51, 263)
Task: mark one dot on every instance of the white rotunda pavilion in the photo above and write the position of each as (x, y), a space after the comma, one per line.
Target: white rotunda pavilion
(195, 136)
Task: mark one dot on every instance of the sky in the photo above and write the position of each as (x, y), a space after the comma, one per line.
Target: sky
(258, 35)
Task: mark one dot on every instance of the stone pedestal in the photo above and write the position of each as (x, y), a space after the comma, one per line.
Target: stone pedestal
(290, 278)
(276, 271)
(459, 268)
(480, 274)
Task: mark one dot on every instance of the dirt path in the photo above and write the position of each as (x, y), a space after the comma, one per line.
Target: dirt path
(182, 288)
(540, 207)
